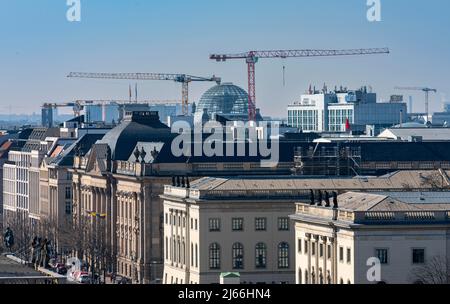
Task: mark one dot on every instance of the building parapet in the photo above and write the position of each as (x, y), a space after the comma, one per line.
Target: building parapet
(373, 217)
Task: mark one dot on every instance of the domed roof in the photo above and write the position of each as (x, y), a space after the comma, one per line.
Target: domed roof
(225, 98)
(137, 127)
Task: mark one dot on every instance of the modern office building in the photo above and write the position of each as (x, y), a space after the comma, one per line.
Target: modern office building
(21, 200)
(442, 118)
(366, 238)
(322, 111)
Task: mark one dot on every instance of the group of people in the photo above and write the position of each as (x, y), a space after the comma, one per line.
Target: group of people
(42, 251)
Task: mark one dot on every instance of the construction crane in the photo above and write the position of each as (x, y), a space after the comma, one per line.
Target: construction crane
(427, 96)
(76, 106)
(252, 58)
(180, 78)
(79, 105)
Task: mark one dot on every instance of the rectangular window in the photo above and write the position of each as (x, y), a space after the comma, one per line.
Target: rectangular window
(306, 247)
(418, 256)
(349, 255)
(329, 252)
(167, 219)
(214, 225)
(196, 224)
(341, 254)
(283, 224)
(68, 193)
(299, 246)
(192, 223)
(313, 249)
(260, 224)
(238, 224)
(382, 255)
(68, 207)
(321, 250)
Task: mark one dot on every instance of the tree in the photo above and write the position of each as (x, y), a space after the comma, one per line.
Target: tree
(435, 271)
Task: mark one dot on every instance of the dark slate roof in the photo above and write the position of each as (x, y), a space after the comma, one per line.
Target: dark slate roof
(140, 127)
(82, 145)
(286, 153)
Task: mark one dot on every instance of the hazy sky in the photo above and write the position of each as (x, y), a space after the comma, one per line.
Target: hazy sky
(39, 47)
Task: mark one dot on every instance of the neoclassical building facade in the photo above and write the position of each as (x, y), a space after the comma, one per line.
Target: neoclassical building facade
(120, 180)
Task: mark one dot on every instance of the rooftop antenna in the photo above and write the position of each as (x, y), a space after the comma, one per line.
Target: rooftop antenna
(136, 92)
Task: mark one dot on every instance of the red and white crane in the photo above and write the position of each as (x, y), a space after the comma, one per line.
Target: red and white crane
(252, 58)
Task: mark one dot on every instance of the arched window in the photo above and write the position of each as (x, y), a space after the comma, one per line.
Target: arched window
(321, 280)
(300, 278)
(342, 281)
(261, 255)
(214, 256)
(283, 255)
(238, 256)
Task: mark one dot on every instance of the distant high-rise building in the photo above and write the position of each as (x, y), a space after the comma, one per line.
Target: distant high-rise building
(47, 117)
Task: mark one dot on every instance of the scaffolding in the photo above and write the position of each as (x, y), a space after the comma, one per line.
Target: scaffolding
(327, 160)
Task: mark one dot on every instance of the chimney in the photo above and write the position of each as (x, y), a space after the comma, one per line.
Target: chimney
(174, 182)
(183, 182)
(178, 181)
(188, 183)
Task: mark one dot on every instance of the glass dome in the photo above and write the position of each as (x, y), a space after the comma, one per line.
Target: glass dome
(224, 99)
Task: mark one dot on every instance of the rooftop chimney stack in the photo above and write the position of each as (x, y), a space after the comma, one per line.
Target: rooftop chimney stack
(188, 183)
(327, 199)
(335, 200)
(320, 198)
(312, 203)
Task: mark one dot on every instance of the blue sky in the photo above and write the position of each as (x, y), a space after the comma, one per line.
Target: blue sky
(39, 47)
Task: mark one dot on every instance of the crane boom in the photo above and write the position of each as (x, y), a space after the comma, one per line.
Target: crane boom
(252, 58)
(184, 79)
(299, 53)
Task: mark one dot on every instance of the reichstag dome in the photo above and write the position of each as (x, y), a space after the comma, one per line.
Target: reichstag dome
(225, 98)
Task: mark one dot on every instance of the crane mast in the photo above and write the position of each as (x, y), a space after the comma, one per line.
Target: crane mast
(252, 58)
(427, 92)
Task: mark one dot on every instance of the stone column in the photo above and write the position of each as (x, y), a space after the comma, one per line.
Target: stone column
(325, 258)
(317, 264)
(309, 268)
(333, 260)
